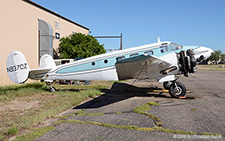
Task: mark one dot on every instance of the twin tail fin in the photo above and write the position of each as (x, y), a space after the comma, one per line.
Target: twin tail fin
(19, 71)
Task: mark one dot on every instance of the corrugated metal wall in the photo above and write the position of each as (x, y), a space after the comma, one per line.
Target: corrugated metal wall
(19, 31)
(45, 38)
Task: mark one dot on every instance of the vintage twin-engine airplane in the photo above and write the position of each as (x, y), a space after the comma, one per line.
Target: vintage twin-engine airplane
(162, 61)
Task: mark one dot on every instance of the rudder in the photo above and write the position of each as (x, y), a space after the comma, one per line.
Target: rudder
(17, 67)
(47, 61)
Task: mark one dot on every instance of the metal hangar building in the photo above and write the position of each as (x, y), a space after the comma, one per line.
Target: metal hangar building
(32, 29)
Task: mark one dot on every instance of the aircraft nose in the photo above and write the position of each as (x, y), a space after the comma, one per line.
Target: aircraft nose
(206, 49)
(209, 51)
(202, 53)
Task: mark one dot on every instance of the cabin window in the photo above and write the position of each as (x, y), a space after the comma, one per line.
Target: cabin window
(106, 61)
(93, 63)
(149, 52)
(135, 54)
(65, 61)
(120, 58)
(163, 49)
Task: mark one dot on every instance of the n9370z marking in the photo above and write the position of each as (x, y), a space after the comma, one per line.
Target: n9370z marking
(17, 67)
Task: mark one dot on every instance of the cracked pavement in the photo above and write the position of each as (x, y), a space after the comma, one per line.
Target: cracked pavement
(202, 112)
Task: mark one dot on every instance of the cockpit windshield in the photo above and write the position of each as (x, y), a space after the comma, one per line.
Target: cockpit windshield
(174, 46)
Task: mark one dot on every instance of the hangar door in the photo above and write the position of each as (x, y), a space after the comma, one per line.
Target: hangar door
(45, 38)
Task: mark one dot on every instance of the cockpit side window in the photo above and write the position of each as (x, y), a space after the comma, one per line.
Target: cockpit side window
(174, 46)
(135, 54)
(120, 58)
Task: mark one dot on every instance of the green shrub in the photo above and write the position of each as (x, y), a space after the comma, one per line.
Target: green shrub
(12, 131)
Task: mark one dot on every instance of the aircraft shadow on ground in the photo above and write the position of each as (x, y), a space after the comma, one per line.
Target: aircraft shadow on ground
(122, 91)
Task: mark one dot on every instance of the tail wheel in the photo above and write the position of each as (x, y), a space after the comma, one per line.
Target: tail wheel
(177, 89)
(52, 89)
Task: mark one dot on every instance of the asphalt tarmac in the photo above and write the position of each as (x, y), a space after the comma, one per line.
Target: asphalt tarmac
(203, 111)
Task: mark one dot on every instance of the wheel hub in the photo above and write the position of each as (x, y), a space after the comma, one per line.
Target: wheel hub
(177, 90)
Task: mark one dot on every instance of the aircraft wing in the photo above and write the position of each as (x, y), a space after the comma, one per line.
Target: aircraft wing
(38, 73)
(141, 67)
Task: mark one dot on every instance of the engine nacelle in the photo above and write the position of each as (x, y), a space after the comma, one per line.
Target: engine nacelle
(187, 62)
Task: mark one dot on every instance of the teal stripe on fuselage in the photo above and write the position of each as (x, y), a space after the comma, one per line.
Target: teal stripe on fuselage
(88, 66)
(112, 61)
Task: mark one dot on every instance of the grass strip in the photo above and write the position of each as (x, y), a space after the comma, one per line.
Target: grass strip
(211, 67)
(147, 107)
(82, 113)
(37, 133)
(132, 127)
(48, 104)
(128, 127)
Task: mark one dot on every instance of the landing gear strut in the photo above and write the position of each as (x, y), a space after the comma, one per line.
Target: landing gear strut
(176, 89)
(186, 64)
(167, 85)
(52, 89)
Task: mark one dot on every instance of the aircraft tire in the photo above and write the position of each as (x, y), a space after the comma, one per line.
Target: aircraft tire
(178, 91)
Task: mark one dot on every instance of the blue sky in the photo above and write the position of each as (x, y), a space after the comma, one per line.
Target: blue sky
(186, 22)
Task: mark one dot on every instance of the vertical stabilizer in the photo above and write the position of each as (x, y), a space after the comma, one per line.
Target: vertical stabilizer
(17, 67)
(47, 61)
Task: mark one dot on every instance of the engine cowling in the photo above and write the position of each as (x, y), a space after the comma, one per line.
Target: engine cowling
(187, 62)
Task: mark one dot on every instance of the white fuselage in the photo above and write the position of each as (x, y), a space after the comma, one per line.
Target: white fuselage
(102, 67)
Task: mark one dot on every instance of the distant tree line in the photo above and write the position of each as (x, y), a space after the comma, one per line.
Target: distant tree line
(217, 57)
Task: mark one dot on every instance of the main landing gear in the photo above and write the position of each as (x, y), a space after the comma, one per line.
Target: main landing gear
(52, 89)
(176, 89)
(186, 64)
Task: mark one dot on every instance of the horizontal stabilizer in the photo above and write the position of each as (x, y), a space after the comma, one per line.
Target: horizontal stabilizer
(38, 74)
(46, 64)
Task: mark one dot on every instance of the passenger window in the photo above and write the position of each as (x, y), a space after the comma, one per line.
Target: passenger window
(120, 58)
(106, 61)
(149, 52)
(135, 54)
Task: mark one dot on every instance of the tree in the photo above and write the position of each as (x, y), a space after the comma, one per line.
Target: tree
(222, 57)
(215, 56)
(79, 45)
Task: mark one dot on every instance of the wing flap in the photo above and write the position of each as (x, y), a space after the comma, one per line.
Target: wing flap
(141, 67)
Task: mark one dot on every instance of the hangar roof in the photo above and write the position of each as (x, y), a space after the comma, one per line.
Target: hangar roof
(54, 13)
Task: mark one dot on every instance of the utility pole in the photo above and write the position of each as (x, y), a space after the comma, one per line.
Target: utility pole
(121, 42)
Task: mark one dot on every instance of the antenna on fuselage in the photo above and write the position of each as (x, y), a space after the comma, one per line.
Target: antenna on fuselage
(158, 39)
